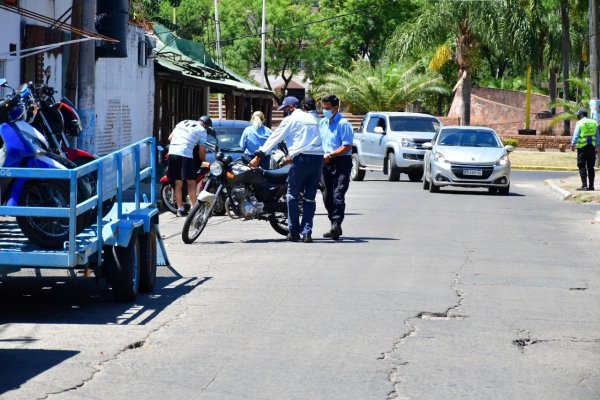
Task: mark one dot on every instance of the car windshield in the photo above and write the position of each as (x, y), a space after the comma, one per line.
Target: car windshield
(413, 124)
(228, 138)
(468, 138)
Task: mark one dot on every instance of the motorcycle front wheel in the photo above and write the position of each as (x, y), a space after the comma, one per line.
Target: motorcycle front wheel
(167, 195)
(49, 232)
(196, 221)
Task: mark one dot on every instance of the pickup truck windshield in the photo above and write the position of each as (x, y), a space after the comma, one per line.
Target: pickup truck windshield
(413, 124)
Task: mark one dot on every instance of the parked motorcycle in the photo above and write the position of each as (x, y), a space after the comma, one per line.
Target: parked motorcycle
(57, 120)
(252, 193)
(24, 147)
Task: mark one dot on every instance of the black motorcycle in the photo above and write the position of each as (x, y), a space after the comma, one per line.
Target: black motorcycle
(252, 193)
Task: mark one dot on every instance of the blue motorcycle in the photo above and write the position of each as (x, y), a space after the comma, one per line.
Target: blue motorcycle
(22, 146)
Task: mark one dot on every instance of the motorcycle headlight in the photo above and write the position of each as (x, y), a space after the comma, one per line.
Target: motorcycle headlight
(408, 142)
(502, 161)
(439, 157)
(216, 168)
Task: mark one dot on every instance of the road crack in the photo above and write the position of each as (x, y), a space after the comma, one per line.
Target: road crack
(393, 356)
(132, 346)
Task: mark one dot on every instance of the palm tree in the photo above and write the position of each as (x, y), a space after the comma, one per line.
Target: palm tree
(570, 107)
(381, 87)
(436, 23)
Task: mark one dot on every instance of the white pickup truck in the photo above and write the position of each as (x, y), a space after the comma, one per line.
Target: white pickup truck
(392, 142)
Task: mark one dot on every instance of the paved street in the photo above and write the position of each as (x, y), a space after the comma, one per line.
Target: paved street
(456, 295)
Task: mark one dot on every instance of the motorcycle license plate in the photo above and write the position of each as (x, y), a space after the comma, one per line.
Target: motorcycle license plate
(472, 172)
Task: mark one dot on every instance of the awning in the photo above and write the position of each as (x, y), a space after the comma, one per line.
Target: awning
(191, 60)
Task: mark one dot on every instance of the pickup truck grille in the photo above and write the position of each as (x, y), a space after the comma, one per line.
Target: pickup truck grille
(411, 156)
(486, 171)
(419, 143)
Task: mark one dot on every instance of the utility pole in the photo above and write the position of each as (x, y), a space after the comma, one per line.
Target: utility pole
(263, 37)
(86, 100)
(594, 47)
(219, 60)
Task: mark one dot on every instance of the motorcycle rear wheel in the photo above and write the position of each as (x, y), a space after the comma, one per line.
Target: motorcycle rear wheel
(49, 232)
(167, 195)
(196, 221)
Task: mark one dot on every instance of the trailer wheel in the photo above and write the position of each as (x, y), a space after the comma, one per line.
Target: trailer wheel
(148, 261)
(124, 264)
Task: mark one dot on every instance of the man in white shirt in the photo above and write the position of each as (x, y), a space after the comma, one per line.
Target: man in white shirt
(301, 133)
(182, 166)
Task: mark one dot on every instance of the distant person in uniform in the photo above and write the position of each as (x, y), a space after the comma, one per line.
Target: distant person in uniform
(586, 139)
(310, 106)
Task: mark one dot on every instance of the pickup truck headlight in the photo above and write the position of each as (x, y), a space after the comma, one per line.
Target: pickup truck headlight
(439, 157)
(502, 161)
(408, 142)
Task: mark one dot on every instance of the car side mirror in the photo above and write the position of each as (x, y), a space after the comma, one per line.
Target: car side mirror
(378, 129)
(509, 148)
(427, 146)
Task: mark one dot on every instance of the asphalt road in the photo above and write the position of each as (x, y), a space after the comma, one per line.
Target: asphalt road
(456, 295)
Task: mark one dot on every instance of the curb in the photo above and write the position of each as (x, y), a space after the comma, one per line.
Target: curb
(537, 168)
(562, 193)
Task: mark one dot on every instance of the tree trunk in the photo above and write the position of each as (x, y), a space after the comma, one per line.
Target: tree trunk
(464, 91)
(552, 88)
(566, 40)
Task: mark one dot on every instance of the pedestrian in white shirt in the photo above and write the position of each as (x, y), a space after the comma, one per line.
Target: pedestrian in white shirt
(305, 152)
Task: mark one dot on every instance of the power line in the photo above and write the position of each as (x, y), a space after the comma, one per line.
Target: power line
(278, 30)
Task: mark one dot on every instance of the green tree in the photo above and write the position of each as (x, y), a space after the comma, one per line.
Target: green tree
(288, 39)
(384, 86)
(435, 24)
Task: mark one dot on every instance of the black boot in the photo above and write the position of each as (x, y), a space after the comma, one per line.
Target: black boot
(336, 230)
(583, 183)
(591, 187)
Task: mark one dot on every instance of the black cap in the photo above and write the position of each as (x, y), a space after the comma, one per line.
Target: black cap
(310, 103)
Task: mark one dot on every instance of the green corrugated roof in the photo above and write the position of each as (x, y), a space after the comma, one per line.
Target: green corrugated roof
(191, 59)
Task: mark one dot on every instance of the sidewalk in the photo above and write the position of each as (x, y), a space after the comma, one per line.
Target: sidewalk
(566, 189)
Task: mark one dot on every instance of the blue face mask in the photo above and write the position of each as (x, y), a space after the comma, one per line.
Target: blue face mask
(328, 114)
(287, 113)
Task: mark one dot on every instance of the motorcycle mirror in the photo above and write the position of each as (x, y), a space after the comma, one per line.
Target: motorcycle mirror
(3, 82)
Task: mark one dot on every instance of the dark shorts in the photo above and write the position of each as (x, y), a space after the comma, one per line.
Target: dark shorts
(182, 168)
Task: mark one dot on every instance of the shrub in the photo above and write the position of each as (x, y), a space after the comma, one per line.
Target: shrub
(510, 142)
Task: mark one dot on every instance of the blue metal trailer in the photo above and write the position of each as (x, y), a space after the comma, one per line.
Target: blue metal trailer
(124, 246)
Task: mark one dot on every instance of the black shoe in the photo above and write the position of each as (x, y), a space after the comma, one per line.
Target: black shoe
(336, 230)
(591, 188)
(582, 188)
(307, 238)
(327, 235)
(293, 237)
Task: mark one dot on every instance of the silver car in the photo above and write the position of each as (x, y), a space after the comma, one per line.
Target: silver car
(467, 156)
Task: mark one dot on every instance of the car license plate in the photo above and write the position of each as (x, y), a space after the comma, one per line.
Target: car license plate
(472, 172)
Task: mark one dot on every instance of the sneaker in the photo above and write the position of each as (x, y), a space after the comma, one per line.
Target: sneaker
(181, 212)
(293, 237)
(307, 238)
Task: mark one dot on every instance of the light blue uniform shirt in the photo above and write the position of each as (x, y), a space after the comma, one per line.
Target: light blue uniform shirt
(336, 133)
(252, 138)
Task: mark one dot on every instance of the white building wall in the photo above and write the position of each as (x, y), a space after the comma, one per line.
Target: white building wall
(11, 24)
(124, 98)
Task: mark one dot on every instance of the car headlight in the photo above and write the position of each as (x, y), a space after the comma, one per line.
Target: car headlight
(408, 142)
(439, 157)
(216, 168)
(502, 161)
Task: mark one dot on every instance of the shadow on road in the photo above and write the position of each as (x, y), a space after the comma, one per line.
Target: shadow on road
(477, 193)
(20, 365)
(47, 299)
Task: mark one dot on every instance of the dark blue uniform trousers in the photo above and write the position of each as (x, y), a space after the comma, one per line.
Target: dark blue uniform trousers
(304, 177)
(336, 179)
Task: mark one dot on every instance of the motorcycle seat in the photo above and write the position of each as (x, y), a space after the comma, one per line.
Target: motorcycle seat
(277, 175)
